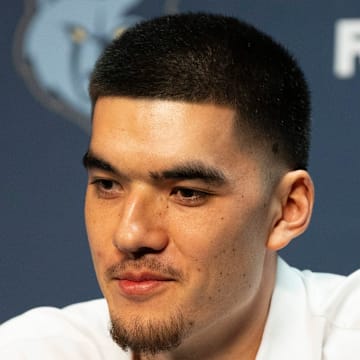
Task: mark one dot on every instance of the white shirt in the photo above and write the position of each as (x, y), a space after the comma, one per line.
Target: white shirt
(312, 316)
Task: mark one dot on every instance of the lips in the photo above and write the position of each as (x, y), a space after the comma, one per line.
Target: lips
(142, 284)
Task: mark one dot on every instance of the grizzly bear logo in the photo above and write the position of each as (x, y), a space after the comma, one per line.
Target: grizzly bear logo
(58, 41)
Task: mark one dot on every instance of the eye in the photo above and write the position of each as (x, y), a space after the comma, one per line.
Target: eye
(189, 197)
(106, 188)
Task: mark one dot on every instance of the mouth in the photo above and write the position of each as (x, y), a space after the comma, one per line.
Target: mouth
(142, 285)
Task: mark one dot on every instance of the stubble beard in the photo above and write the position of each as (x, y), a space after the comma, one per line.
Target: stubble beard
(149, 336)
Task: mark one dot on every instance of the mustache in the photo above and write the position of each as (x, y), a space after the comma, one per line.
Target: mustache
(145, 264)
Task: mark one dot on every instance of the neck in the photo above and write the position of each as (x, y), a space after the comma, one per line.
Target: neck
(231, 337)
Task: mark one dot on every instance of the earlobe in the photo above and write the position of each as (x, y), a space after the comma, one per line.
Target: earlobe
(295, 199)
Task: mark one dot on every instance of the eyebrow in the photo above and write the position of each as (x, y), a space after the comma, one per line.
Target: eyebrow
(91, 161)
(193, 170)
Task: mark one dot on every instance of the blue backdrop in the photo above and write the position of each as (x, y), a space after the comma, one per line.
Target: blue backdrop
(47, 48)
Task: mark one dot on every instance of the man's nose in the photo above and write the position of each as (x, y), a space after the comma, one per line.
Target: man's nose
(141, 227)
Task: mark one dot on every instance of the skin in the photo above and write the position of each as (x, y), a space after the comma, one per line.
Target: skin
(219, 237)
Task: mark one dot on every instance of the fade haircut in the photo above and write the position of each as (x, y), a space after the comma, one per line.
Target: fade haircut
(208, 58)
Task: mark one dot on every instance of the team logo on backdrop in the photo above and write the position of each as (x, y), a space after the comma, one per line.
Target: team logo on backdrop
(347, 48)
(58, 42)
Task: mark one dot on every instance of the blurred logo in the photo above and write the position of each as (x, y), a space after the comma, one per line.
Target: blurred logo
(58, 41)
(347, 47)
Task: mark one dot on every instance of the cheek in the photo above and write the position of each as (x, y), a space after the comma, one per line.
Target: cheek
(100, 243)
(98, 227)
(215, 236)
(208, 244)
(225, 252)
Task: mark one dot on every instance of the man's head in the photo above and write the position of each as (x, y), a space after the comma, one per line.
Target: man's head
(199, 141)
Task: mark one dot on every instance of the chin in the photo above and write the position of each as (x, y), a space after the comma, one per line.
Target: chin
(149, 334)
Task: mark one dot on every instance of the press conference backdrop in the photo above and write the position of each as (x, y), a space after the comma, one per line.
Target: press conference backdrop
(47, 50)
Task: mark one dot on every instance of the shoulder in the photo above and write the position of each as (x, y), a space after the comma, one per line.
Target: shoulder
(328, 311)
(76, 331)
(335, 298)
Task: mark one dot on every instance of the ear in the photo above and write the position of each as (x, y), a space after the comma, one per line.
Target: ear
(294, 199)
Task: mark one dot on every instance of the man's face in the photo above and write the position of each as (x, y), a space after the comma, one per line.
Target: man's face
(177, 215)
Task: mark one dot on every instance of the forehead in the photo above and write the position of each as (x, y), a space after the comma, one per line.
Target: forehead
(157, 120)
(166, 131)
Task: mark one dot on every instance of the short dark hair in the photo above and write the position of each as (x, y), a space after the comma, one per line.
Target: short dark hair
(208, 58)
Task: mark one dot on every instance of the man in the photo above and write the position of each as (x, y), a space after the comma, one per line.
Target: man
(197, 176)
